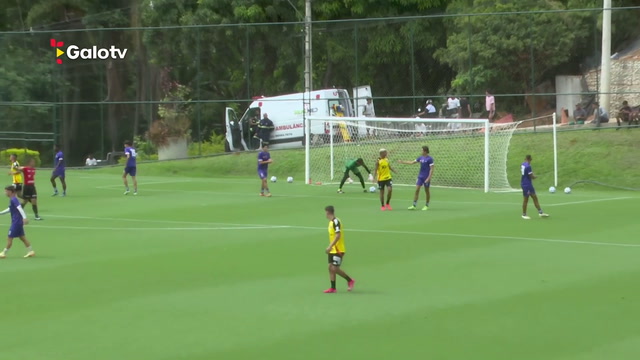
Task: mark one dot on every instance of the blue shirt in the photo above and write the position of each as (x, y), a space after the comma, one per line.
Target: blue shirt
(525, 170)
(263, 156)
(426, 162)
(16, 216)
(131, 160)
(59, 160)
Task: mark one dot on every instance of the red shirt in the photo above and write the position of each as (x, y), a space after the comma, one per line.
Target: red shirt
(29, 175)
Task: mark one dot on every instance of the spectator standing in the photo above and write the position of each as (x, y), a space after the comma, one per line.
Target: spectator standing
(465, 108)
(453, 106)
(579, 114)
(490, 104)
(369, 112)
(265, 127)
(253, 133)
(91, 161)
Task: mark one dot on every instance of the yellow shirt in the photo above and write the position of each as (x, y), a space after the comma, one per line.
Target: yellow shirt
(17, 175)
(336, 227)
(384, 172)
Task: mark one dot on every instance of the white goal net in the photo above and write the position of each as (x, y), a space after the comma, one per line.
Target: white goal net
(467, 153)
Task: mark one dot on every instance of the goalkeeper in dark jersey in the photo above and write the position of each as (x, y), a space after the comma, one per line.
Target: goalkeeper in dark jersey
(352, 166)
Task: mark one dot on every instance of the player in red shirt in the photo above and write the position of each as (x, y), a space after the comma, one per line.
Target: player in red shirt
(29, 193)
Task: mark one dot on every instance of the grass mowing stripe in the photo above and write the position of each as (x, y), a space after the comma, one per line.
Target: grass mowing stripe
(591, 201)
(163, 228)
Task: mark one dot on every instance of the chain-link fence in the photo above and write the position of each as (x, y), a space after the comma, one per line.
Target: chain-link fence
(168, 87)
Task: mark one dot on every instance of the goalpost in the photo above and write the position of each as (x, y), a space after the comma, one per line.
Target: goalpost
(469, 153)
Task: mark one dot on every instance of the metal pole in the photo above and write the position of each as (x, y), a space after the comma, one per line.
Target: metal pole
(605, 80)
(533, 70)
(308, 78)
(555, 150)
(471, 89)
(487, 130)
(413, 71)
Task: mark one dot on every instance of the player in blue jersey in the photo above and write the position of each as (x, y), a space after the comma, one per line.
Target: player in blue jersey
(130, 168)
(58, 172)
(264, 159)
(18, 221)
(527, 188)
(424, 177)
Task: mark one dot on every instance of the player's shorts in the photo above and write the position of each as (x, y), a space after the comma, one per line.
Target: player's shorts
(262, 174)
(385, 183)
(421, 182)
(336, 259)
(130, 170)
(16, 231)
(29, 192)
(355, 171)
(58, 173)
(528, 191)
(18, 187)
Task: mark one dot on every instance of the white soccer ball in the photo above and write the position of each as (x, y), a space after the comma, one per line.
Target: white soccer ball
(273, 179)
(567, 190)
(552, 189)
(350, 181)
(372, 189)
(289, 179)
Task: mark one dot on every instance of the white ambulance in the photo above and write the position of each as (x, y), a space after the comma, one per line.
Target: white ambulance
(286, 112)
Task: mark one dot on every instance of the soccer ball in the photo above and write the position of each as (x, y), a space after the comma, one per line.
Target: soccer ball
(289, 179)
(552, 189)
(372, 189)
(567, 190)
(273, 179)
(350, 181)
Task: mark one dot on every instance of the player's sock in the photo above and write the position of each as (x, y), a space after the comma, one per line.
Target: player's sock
(29, 249)
(267, 189)
(333, 284)
(35, 210)
(427, 204)
(55, 190)
(415, 203)
(540, 211)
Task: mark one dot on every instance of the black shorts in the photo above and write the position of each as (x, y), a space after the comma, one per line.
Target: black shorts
(18, 187)
(29, 192)
(384, 183)
(336, 259)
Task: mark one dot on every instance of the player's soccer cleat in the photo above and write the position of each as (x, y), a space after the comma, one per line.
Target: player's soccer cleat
(425, 208)
(261, 194)
(383, 208)
(55, 194)
(526, 217)
(351, 285)
(340, 191)
(30, 254)
(126, 192)
(388, 207)
(543, 215)
(330, 291)
(135, 193)
(412, 207)
(268, 195)
(37, 218)
(3, 255)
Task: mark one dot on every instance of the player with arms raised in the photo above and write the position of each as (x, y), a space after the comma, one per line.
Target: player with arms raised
(29, 193)
(527, 188)
(131, 168)
(383, 171)
(352, 165)
(58, 172)
(336, 251)
(18, 221)
(264, 159)
(424, 176)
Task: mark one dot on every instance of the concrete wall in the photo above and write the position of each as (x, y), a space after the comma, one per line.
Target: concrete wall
(625, 77)
(568, 90)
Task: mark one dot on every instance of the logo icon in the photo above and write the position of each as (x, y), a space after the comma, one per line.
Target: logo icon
(57, 45)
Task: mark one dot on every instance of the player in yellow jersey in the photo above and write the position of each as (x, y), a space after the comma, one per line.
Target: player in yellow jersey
(336, 251)
(383, 171)
(16, 174)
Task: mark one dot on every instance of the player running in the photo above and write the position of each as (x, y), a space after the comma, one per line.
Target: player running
(424, 176)
(130, 168)
(527, 188)
(336, 251)
(29, 193)
(264, 159)
(58, 172)
(383, 171)
(352, 165)
(16, 174)
(18, 220)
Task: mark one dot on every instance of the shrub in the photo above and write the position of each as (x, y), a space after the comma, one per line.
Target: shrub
(215, 145)
(23, 155)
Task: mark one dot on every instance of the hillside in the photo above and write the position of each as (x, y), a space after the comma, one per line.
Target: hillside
(606, 156)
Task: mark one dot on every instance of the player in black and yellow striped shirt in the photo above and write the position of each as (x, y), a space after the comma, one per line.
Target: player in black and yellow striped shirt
(383, 171)
(16, 174)
(336, 251)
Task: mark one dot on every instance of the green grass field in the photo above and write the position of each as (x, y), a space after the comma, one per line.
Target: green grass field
(202, 268)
